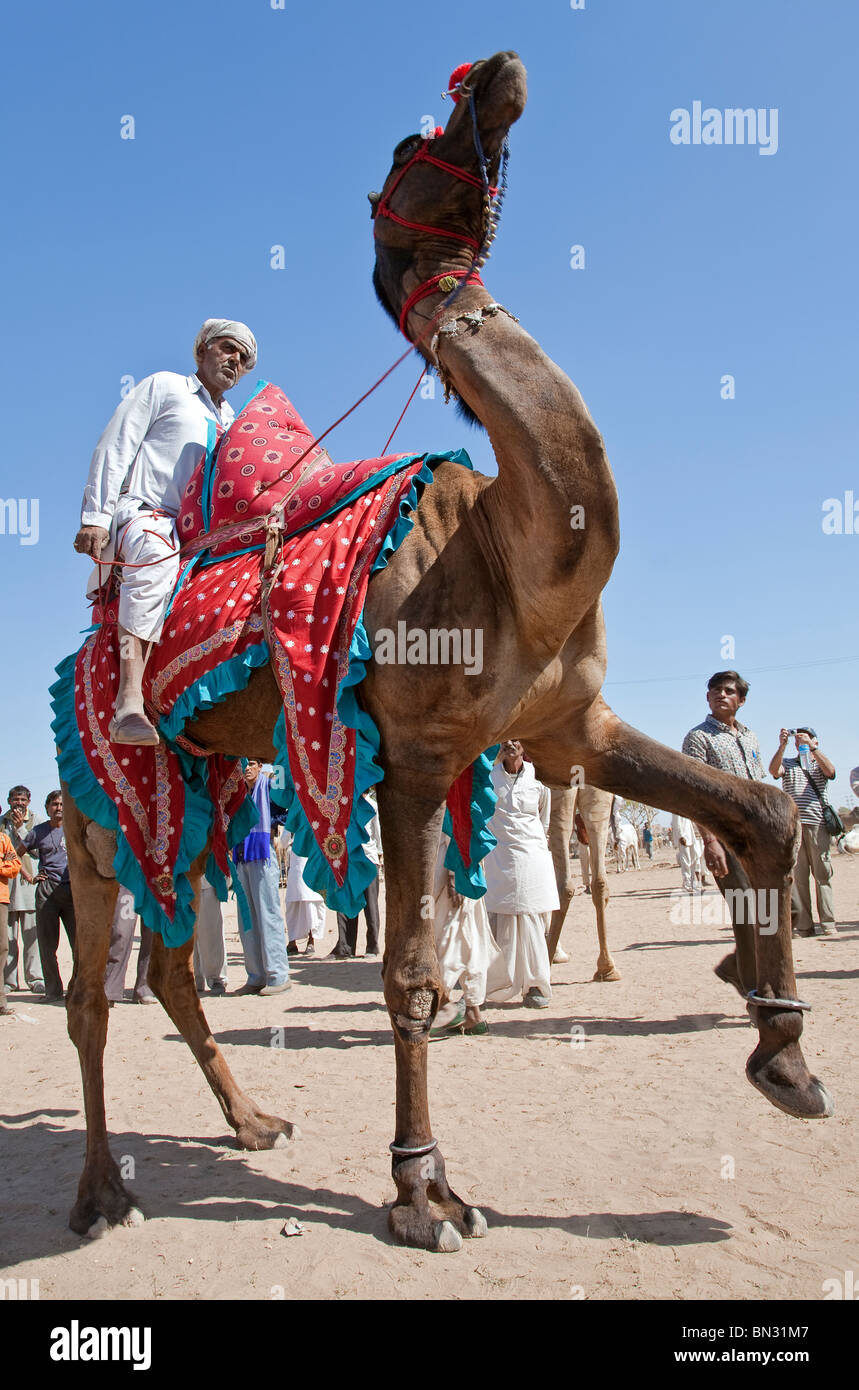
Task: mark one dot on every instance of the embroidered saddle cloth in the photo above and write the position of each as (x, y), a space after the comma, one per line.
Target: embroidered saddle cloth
(230, 613)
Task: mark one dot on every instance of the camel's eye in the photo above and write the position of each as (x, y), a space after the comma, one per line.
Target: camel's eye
(406, 148)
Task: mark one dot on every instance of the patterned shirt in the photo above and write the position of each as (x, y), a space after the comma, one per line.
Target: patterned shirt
(731, 750)
(796, 784)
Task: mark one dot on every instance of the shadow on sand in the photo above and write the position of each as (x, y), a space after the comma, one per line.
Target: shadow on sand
(169, 1170)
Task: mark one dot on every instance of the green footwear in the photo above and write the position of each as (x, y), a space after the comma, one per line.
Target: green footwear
(479, 1030)
(454, 1026)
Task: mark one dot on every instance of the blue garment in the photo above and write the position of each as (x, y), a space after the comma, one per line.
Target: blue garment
(257, 845)
(264, 945)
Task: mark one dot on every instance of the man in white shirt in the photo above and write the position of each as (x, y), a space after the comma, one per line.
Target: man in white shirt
(521, 890)
(690, 850)
(141, 466)
(347, 927)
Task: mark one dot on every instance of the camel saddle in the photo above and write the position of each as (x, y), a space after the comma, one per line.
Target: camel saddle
(278, 545)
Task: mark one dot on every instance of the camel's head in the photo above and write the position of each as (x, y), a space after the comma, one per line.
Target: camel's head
(437, 200)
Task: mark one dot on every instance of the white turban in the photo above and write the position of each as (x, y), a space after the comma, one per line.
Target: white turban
(228, 328)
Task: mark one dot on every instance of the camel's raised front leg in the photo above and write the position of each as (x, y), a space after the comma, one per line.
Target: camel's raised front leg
(759, 824)
(426, 1214)
(171, 978)
(595, 810)
(103, 1199)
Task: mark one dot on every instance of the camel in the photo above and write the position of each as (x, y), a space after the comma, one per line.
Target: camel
(626, 848)
(594, 806)
(498, 554)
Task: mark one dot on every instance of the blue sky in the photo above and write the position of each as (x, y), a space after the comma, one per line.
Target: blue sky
(257, 127)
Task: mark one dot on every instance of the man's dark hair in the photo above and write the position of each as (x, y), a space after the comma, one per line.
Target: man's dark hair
(13, 791)
(722, 676)
(52, 796)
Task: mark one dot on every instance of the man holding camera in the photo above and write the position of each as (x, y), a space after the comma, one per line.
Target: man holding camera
(804, 779)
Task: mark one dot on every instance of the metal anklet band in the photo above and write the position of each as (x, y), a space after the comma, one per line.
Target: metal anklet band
(755, 998)
(399, 1152)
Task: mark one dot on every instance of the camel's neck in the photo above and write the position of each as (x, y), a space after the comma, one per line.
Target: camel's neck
(552, 513)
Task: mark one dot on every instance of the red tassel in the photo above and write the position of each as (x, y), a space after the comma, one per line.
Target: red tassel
(456, 77)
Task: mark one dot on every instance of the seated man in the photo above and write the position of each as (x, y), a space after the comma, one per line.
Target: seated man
(141, 466)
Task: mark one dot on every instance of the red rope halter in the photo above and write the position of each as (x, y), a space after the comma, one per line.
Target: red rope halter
(471, 277)
(422, 156)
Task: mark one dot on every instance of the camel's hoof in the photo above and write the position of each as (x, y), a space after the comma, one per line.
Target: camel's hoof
(726, 971)
(783, 1077)
(447, 1238)
(102, 1202)
(266, 1132)
(602, 976)
(475, 1223)
(135, 1217)
(815, 1103)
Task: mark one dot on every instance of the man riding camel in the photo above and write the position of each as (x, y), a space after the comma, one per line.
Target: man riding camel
(141, 466)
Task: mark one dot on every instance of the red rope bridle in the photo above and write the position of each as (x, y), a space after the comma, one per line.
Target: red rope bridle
(422, 156)
(383, 209)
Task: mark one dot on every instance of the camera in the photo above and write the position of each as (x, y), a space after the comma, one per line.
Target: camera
(791, 733)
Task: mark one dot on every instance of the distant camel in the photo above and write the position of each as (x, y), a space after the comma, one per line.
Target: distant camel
(594, 807)
(626, 848)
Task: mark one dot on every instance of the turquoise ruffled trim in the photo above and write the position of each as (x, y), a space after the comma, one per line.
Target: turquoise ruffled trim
(93, 801)
(212, 688)
(470, 881)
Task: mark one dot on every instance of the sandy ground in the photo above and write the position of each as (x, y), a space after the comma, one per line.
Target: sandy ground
(612, 1142)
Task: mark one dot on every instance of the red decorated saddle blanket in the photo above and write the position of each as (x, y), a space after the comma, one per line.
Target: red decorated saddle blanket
(231, 612)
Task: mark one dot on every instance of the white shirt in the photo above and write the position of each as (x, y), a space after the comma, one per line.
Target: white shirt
(520, 875)
(155, 439)
(297, 891)
(373, 847)
(683, 828)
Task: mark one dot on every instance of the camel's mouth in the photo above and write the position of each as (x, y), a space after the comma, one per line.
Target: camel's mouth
(500, 90)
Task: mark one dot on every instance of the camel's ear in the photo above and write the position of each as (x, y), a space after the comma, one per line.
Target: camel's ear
(375, 199)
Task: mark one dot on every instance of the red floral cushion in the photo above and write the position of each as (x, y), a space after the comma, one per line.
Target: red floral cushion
(261, 446)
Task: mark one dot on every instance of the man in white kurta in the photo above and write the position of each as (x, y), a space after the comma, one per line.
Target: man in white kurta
(468, 956)
(305, 908)
(210, 943)
(521, 892)
(690, 848)
(347, 927)
(141, 466)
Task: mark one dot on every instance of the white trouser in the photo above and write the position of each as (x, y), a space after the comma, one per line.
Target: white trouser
(521, 938)
(145, 592)
(304, 919)
(687, 859)
(210, 947)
